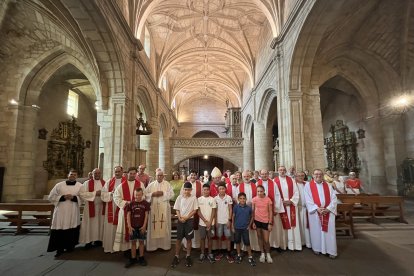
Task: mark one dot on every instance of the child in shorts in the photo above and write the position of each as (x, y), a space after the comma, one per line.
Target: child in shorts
(206, 211)
(223, 225)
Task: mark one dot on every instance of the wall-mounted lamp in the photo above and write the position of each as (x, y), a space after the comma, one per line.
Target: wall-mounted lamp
(42, 133)
(88, 144)
(361, 133)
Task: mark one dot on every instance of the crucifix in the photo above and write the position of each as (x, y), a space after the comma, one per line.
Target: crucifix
(162, 219)
(154, 221)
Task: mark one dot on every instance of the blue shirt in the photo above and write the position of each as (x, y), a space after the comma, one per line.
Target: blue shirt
(242, 215)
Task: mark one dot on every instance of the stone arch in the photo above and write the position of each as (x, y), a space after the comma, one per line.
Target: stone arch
(145, 102)
(210, 152)
(205, 134)
(248, 125)
(264, 106)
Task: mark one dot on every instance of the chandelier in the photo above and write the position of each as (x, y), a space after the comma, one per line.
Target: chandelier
(143, 128)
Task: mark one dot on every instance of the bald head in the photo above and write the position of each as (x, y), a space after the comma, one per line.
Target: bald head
(96, 174)
(264, 174)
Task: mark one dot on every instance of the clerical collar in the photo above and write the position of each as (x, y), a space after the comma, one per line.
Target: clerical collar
(70, 182)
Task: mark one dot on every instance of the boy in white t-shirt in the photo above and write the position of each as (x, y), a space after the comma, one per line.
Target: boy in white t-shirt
(206, 211)
(186, 206)
(223, 221)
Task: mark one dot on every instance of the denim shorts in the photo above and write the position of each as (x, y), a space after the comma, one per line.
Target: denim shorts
(137, 235)
(223, 228)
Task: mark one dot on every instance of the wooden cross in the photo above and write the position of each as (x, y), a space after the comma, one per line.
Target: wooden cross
(162, 219)
(154, 221)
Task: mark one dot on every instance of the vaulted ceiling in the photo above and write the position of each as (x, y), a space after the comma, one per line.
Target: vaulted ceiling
(207, 48)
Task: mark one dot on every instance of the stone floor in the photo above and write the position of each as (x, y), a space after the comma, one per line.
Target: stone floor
(386, 248)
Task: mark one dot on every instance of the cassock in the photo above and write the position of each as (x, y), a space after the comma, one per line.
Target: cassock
(273, 193)
(250, 190)
(287, 223)
(93, 212)
(322, 228)
(159, 223)
(303, 215)
(64, 232)
(196, 191)
(111, 213)
(123, 195)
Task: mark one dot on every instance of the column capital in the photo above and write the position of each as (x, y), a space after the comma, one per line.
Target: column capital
(295, 95)
(119, 98)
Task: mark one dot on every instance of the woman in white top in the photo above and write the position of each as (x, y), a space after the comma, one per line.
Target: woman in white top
(338, 185)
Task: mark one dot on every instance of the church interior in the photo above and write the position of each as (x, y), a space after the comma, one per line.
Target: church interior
(197, 84)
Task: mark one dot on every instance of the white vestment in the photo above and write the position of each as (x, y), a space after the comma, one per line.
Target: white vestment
(159, 205)
(322, 242)
(109, 229)
(120, 244)
(92, 227)
(66, 213)
(287, 238)
(303, 217)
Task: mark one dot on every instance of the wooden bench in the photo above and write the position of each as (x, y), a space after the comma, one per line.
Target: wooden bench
(375, 206)
(344, 219)
(41, 212)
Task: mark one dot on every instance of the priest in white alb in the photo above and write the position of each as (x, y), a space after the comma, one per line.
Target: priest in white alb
(303, 212)
(112, 210)
(122, 197)
(321, 203)
(93, 212)
(64, 229)
(287, 223)
(159, 193)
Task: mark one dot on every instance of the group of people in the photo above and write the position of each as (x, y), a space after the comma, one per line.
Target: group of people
(128, 212)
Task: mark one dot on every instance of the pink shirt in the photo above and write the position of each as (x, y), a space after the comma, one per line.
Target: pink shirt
(261, 208)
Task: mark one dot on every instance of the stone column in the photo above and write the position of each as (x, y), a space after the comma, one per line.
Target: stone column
(113, 128)
(248, 153)
(18, 181)
(152, 153)
(263, 146)
(394, 149)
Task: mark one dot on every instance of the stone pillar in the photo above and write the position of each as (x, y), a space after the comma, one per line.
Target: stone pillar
(263, 146)
(375, 151)
(298, 152)
(152, 153)
(248, 153)
(394, 149)
(113, 128)
(18, 181)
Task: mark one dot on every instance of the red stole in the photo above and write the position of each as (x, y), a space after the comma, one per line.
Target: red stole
(126, 195)
(254, 191)
(315, 196)
(196, 218)
(91, 204)
(213, 189)
(284, 216)
(229, 190)
(111, 188)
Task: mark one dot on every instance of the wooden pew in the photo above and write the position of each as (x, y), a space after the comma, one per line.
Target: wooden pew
(30, 209)
(375, 206)
(344, 220)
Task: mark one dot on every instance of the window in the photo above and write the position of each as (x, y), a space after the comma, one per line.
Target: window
(73, 101)
(147, 42)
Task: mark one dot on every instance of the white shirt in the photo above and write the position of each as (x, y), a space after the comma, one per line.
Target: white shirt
(186, 205)
(223, 208)
(206, 206)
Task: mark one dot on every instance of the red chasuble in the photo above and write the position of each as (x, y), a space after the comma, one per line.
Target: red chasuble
(127, 197)
(111, 188)
(213, 189)
(284, 216)
(315, 196)
(91, 204)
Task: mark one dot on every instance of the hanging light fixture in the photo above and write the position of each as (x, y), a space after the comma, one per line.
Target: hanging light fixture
(143, 128)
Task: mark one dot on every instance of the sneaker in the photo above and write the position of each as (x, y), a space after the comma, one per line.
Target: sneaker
(252, 262)
(142, 261)
(130, 262)
(175, 262)
(211, 259)
(332, 257)
(218, 257)
(269, 258)
(202, 258)
(239, 259)
(229, 258)
(188, 261)
(262, 258)
(59, 253)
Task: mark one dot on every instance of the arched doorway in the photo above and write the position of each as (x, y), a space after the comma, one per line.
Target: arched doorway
(205, 163)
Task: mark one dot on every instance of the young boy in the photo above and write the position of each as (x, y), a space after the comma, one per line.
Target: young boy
(224, 215)
(206, 209)
(137, 219)
(186, 206)
(242, 220)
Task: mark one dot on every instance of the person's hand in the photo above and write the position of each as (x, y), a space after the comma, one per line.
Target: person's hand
(68, 197)
(320, 210)
(269, 227)
(287, 202)
(254, 226)
(228, 225)
(131, 231)
(142, 230)
(232, 229)
(98, 193)
(325, 211)
(126, 204)
(208, 225)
